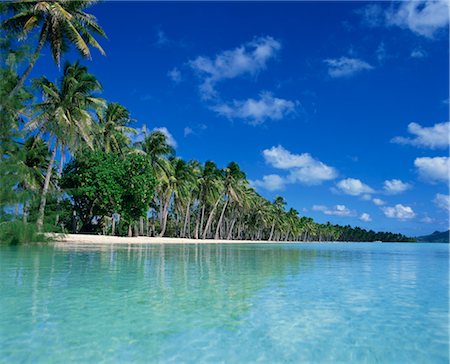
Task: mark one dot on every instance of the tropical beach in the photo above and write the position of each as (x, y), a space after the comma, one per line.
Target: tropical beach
(237, 182)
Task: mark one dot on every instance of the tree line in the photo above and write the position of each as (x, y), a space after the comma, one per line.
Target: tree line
(68, 162)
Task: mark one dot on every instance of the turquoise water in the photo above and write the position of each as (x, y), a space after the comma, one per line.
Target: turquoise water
(363, 303)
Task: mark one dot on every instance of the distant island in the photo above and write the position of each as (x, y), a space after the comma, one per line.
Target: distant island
(436, 237)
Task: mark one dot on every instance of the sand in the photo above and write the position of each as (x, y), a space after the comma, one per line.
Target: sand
(105, 239)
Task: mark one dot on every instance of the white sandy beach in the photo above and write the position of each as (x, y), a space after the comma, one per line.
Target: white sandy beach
(106, 239)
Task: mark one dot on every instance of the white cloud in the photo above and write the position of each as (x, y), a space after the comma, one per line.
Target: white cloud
(398, 212)
(365, 217)
(247, 59)
(433, 169)
(271, 182)
(338, 210)
(442, 201)
(353, 187)
(188, 131)
(378, 202)
(170, 139)
(436, 136)
(418, 53)
(427, 220)
(345, 67)
(303, 167)
(257, 111)
(175, 75)
(395, 186)
(424, 18)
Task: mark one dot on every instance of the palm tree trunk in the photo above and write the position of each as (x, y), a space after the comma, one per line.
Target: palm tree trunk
(165, 214)
(210, 217)
(271, 231)
(230, 231)
(25, 212)
(183, 234)
(113, 228)
(216, 235)
(200, 230)
(60, 169)
(40, 218)
(33, 60)
(141, 226)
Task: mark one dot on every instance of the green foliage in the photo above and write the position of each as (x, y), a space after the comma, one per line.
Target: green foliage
(18, 232)
(138, 183)
(101, 184)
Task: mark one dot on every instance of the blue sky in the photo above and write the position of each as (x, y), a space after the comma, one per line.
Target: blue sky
(342, 108)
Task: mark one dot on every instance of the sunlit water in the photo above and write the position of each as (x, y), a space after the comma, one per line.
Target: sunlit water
(225, 303)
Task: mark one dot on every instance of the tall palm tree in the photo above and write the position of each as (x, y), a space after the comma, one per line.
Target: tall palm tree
(158, 150)
(60, 23)
(113, 128)
(234, 183)
(66, 116)
(212, 187)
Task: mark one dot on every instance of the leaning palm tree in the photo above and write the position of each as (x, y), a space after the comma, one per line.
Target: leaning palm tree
(212, 187)
(234, 184)
(60, 23)
(66, 116)
(113, 128)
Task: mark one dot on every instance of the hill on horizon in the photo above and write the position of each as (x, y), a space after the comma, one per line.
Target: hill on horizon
(436, 237)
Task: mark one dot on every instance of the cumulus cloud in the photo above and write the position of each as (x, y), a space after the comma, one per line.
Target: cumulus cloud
(398, 212)
(346, 67)
(353, 187)
(256, 111)
(365, 217)
(271, 182)
(442, 201)
(436, 136)
(303, 168)
(434, 169)
(170, 139)
(378, 202)
(337, 210)
(395, 186)
(175, 75)
(425, 18)
(247, 59)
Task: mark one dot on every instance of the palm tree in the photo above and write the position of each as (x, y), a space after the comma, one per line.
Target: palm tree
(60, 23)
(278, 209)
(212, 187)
(113, 129)
(234, 183)
(65, 115)
(158, 150)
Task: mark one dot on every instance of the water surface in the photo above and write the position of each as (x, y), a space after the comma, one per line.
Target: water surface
(363, 303)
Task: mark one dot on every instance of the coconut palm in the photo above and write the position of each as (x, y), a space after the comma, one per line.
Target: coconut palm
(212, 187)
(234, 183)
(158, 150)
(113, 128)
(60, 23)
(66, 116)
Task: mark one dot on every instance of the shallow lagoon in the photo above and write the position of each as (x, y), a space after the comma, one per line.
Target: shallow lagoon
(234, 303)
